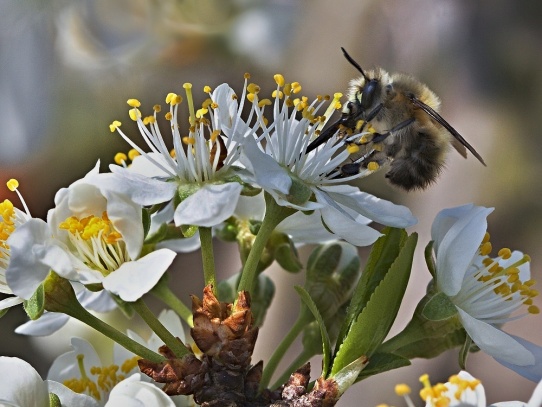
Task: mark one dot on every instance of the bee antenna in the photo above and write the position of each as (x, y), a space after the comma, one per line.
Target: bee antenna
(354, 63)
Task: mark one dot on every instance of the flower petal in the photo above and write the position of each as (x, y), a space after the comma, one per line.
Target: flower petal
(533, 372)
(209, 206)
(47, 324)
(495, 342)
(458, 247)
(445, 219)
(376, 209)
(132, 392)
(140, 188)
(21, 384)
(70, 398)
(10, 302)
(269, 174)
(135, 278)
(358, 234)
(32, 257)
(66, 367)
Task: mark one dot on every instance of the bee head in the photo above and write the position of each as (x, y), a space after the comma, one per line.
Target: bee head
(367, 87)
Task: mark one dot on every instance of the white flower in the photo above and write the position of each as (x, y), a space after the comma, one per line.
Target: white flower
(11, 218)
(461, 390)
(200, 169)
(308, 181)
(486, 291)
(22, 386)
(118, 383)
(93, 236)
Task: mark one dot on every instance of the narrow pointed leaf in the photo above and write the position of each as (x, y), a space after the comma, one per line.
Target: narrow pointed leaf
(347, 376)
(382, 362)
(373, 324)
(385, 250)
(35, 305)
(326, 345)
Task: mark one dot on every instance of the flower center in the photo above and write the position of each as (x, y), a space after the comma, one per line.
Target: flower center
(98, 243)
(439, 394)
(103, 380)
(495, 287)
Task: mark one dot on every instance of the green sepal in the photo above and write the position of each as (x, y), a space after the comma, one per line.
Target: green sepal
(260, 299)
(370, 328)
(464, 352)
(299, 192)
(382, 362)
(3, 312)
(429, 260)
(94, 287)
(385, 250)
(35, 305)
(159, 235)
(284, 252)
(54, 400)
(326, 345)
(189, 230)
(124, 306)
(146, 220)
(439, 307)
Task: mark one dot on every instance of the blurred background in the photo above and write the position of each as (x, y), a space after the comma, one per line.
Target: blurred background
(67, 68)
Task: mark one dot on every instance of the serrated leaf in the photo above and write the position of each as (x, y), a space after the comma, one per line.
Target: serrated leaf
(326, 345)
(382, 362)
(385, 250)
(35, 305)
(439, 308)
(373, 324)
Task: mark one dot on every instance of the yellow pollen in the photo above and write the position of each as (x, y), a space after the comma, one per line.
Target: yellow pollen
(505, 253)
(485, 248)
(200, 113)
(279, 79)
(279, 93)
(359, 124)
(120, 158)
(207, 89)
(486, 238)
(157, 108)
(373, 166)
(253, 88)
(402, 389)
(134, 114)
(113, 126)
(12, 184)
(168, 116)
(352, 148)
(149, 120)
(377, 147)
(189, 140)
(533, 309)
(287, 89)
(251, 97)
(170, 96)
(133, 103)
(215, 134)
(264, 102)
(246, 75)
(133, 153)
(187, 85)
(296, 87)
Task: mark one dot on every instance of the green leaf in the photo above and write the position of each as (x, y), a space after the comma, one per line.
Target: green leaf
(385, 250)
(432, 346)
(326, 345)
(285, 252)
(439, 307)
(146, 220)
(382, 362)
(373, 324)
(35, 305)
(3, 312)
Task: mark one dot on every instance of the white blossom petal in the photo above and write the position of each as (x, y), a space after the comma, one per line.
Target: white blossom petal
(458, 247)
(10, 302)
(47, 324)
(134, 279)
(209, 206)
(495, 342)
(21, 384)
(132, 392)
(68, 397)
(358, 234)
(533, 372)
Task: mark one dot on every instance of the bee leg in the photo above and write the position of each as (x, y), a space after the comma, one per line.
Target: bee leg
(378, 137)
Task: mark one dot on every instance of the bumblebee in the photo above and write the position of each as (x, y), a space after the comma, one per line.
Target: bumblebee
(406, 129)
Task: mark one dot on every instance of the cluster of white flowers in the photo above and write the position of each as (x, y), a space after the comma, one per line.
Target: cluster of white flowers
(101, 233)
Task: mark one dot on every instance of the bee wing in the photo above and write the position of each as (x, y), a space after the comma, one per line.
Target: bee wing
(459, 143)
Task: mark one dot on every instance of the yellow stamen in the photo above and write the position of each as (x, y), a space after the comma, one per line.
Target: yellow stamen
(373, 166)
(133, 103)
(485, 248)
(207, 89)
(253, 88)
(402, 389)
(113, 126)
(505, 253)
(134, 114)
(12, 184)
(120, 158)
(279, 79)
(352, 148)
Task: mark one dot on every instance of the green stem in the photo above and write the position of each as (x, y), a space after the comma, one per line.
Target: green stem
(60, 297)
(299, 361)
(209, 274)
(173, 343)
(164, 293)
(278, 354)
(274, 214)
